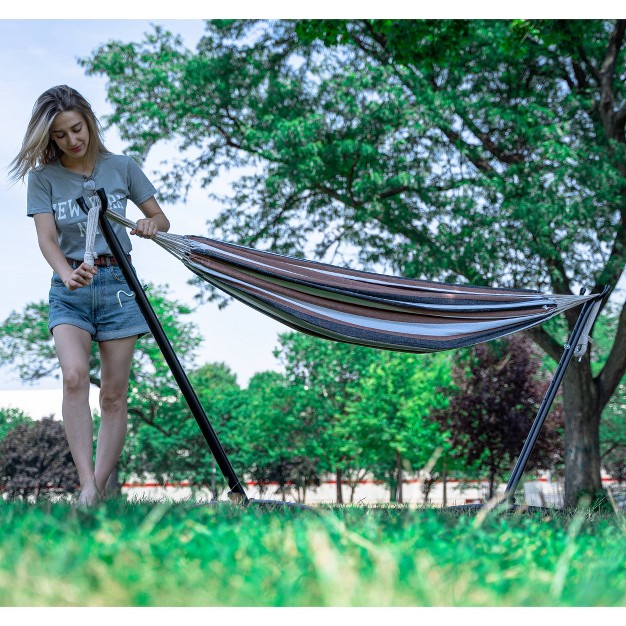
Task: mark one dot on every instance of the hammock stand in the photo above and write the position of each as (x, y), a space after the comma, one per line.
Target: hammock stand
(577, 340)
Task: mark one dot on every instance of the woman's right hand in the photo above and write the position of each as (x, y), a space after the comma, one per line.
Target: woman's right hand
(80, 277)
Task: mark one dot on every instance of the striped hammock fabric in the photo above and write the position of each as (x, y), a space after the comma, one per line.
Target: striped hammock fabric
(360, 307)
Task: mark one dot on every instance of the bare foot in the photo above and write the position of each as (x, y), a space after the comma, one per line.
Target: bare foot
(89, 495)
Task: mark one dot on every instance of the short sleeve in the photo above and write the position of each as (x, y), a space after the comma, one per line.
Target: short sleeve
(38, 195)
(139, 187)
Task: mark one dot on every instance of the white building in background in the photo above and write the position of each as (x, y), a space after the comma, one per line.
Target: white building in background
(540, 492)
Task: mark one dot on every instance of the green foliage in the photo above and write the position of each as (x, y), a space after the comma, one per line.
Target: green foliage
(27, 345)
(165, 440)
(341, 409)
(164, 554)
(10, 418)
(604, 333)
(281, 435)
(391, 415)
(155, 405)
(461, 149)
(328, 375)
(613, 426)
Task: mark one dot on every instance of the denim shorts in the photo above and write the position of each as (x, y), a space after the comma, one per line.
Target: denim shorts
(105, 308)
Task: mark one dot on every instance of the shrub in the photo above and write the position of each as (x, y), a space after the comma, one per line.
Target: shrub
(34, 458)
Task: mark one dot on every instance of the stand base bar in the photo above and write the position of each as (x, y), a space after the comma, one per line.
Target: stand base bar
(548, 399)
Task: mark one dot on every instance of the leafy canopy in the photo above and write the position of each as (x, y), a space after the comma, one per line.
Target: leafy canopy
(463, 150)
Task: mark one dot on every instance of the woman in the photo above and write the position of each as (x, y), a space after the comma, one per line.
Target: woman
(65, 158)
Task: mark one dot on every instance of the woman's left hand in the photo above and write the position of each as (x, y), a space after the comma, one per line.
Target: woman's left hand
(146, 228)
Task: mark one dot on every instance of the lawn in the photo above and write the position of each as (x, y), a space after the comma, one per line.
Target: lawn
(181, 554)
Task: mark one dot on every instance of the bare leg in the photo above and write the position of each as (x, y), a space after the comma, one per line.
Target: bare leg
(115, 358)
(73, 347)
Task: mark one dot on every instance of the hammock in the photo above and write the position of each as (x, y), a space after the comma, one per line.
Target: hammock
(360, 307)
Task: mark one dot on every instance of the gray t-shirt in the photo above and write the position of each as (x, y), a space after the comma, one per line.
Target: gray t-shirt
(54, 189)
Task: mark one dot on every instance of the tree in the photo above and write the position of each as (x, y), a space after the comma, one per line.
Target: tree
(392, 415)
(328, 373)
(11, 418)
(281, 434)
(27, 345)
(35, 458)
(498, 394)
(166, 441)
(465, 150)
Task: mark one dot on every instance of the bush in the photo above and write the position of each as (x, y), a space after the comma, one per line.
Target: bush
(34, 458)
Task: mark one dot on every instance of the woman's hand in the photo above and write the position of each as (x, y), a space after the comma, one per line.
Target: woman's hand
(146, 228)
(80, 277)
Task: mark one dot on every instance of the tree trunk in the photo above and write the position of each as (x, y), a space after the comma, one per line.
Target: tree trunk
(399, 498)
(393, 488)
(582, 434)
(339, 480)
(427, 486)
(213, 479)
(444, 478)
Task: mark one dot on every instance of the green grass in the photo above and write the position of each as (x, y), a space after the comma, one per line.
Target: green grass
(143, 554)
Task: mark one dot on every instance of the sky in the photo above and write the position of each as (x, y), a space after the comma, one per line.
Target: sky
(35, 55)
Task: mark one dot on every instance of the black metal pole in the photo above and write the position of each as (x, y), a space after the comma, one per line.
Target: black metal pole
(548, 399)
(166, 348)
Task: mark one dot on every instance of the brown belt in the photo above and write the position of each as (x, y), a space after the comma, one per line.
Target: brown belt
(99, 261)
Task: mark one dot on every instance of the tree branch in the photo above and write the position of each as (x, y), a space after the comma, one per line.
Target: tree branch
(142, 416)
(606, 74)
(350, 179)
(610, 449)
(558, 278)
(592, 68)
(546, 342)
(287, 206)
(486, 141)
(394, 191)
(480, 162)
(581, 78)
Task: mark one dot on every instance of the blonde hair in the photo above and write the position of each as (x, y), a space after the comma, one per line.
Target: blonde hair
(38, 147)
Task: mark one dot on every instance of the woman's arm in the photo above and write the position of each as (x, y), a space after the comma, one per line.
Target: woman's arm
(154, 221)
(49, 246)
